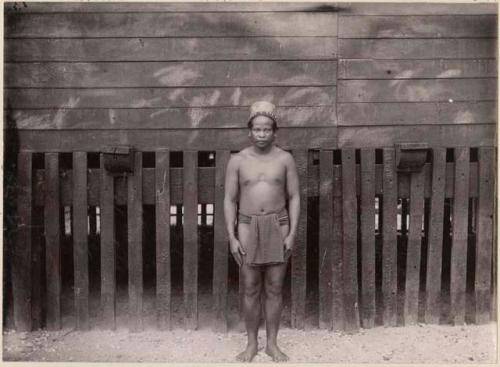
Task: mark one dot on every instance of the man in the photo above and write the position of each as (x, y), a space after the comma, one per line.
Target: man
(261, 179)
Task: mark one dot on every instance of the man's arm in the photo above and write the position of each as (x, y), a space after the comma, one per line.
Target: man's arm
(230, 204)
(292, 188)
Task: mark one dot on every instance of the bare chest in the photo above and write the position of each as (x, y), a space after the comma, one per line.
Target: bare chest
(254, 171)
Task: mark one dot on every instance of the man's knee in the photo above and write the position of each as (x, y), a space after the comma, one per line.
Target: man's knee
(252, 288)
(273, 288)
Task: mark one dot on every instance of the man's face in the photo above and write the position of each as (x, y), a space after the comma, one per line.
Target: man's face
(262, 133)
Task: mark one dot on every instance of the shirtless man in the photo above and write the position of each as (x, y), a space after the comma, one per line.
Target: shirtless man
(262, 178)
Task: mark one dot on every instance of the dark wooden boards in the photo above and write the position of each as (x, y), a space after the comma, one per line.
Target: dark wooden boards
(390, 238)
(337, 253)
(190, 235)
(484, 237)
(349, 240)
(220, 280)
(163, 258)
(171, 74)
(298, 266)
(326, 243)
(459, 236)
(134, 232)
(169, 49)
(52, 219)
(178, 118)
(367, 208)
(435, 240)
(108, 256)
(21, 263)
(389, 8)
(80, 240)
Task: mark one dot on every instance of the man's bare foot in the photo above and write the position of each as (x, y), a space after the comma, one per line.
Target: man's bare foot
(276, 354)
(248, 354)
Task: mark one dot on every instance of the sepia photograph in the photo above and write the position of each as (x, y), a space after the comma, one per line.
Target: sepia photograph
(252, 181)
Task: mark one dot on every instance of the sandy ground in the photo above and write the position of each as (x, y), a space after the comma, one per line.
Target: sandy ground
(409, 344)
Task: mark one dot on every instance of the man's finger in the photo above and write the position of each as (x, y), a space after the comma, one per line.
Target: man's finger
(237, 258)
(241, 250)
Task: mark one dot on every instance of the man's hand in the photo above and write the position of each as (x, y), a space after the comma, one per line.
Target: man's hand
(288, 243)
(236, 250)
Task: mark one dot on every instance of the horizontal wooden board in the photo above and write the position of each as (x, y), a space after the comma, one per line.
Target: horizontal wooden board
(170, 49)
(149, 140)
(450, 48)
(423, 8)
(436, 90)
(169, 118)
(416, 113)
(415, 26)
(202, 24)
(416, 69)
(170, 74)
(168, 97)
(435, 135)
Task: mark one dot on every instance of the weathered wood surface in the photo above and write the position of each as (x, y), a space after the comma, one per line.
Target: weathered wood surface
(169, 97)
(459, 236)
(52, 210)
(337, 252)
(80, 241)
(95, 25)
(484, 236)
(416, 113)
(179, 118)
(135, 256)
(413, 253)
(349, 240)
(163, 258)
(326, 243)
(434, 90)
(449, 48)
(390, 238)
(416, 69)
(170, 49)
(21, 263)
(416, 8)
(108, 257)
(367, 224)
(416, 26)
(36, 271)
(170, 74)
(298, 258)
(190, 236)
(220, 280)
(435, 240)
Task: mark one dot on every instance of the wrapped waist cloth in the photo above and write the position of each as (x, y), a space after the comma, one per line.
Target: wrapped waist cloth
(264, 245)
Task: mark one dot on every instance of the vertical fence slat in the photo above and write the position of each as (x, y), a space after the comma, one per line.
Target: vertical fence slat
(350, 239)
(190, 227)
(484, 236)
(163, 260)
(337, 260)
(435, 242)
(21, 267)
(390, 239)
(52, 223)
(108, 257)
(368, 237)
(459, 235)
(80, 240)
(300, 250)
(220, 245)
(414, 247)
(135, 224)
(325, 238)
(36, 271)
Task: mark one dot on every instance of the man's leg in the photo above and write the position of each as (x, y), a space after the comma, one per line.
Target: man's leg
(252, 283)
(273, 285)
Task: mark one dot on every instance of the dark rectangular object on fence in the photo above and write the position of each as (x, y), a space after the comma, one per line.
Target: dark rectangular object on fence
(135, 263)
(108, 257)
(52, 210)
(220, 281)
(80, 240)
(190, 231)
(163, 258)
(484, 236)
(435, 241)
(459, 235)
(367, 198)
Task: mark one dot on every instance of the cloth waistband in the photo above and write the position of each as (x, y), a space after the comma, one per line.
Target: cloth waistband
(282, 217)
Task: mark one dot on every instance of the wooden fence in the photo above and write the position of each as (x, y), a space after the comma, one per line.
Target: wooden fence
(368, 215)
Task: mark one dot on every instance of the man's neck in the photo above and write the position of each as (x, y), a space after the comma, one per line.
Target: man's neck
(265, 151)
